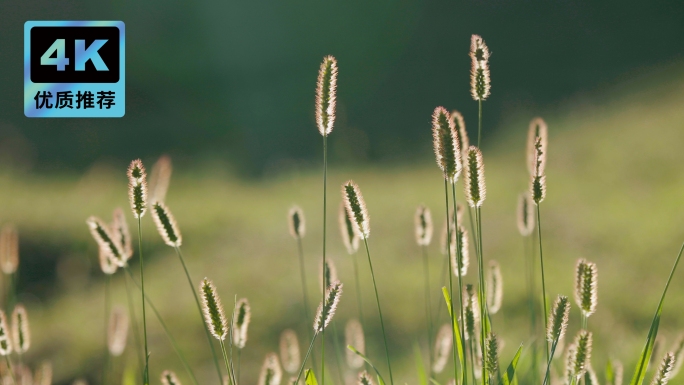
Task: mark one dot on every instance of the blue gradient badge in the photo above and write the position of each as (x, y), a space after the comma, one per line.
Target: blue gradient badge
(74, 69)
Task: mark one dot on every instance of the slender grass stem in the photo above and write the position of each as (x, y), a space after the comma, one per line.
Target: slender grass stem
(451, 290)
(306, 357)
(238, 363)
(107, 305)
(305, 296)
(325, 217)
(166, 329)
(146, 370)
(584, 320)
(472, 230)
(382, 322)
(482, 295)
(231, 371)
(199, 310)
(548, 364)
(134, 323)
(541, 262)
(428, 307)
(479, 122)
(225, 360)
(459, 259)
(9, 368)
(528, 243)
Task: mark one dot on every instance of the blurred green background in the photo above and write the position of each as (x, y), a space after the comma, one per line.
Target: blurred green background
(227, 90)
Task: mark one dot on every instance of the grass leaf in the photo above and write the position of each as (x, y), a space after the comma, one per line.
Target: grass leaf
(420, 366)
(509, 376)
(457, 332)
(381, 380)
(310, 377)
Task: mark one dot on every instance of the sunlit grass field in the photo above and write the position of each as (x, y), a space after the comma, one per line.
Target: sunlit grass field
(615, 180)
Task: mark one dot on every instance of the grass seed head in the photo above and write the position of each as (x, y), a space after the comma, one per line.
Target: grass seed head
(243, 314)
(289, 351)
(356, 209)
(117, 333)
(21, 333)
(326, 310)
(537, 143)
(586, 295)
(590, 377)
(169, 378)
(160, 178)
(296, 222)
(525, 214)
(349, 236)
(443, 344)
(475, 189)
(472, 312)
(107, 264)
(106, 240)
(5, 339)
(423, 225)
(43, 374)
(494, 287)
(664, 372)
(460, 254)
(618, 372)
(166, 225)
(365, 379)
(9, 249)
(480, 83)
(462, 136)
(121, 233)
(582, 357)
(329, 274)
(492, 359)
(678, 350)
(270, 373)
(326, 90)
(558, 319)
(214, 315)
(538, 188)
(353, 336)
(446, 144)
(137, 188)
(570, 358)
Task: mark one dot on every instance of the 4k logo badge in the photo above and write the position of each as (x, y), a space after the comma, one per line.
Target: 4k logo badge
(74, 69)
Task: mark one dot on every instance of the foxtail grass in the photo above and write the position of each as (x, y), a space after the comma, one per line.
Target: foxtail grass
(271, 372)
(351, 242)
(353, 336)
(21, 332)
(557, 326)
(579, 356)
(586, 284)
(215, 318)
(664, 372)
(169, 378)
(678, 351)
(6, 344)
(117, 331)
(364, 379)
(494, 287)
(241, 318)
(160, 178)
(442, 348)
(480, 82)
(290, 355)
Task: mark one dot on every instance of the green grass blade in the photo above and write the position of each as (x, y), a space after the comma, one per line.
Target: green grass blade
(457, 332)
(509, 377)
(310, 377)
(610, 372)
(434, 382)
(420, 366)
(381, 380)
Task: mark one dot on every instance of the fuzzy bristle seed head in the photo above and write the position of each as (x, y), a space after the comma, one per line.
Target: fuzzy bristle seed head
(443, 344)
(326, 310)
(296, 222)
(160, 178)
(21, 333)
(492, 359)
(169, 378)
(570, 357)
(423, 225)
(326, 90)
(586, 293)
(243, 315)
(460, 254)
(121, 233)
(558, 319)
(117, 333)
(353, 336)
(365, 379)
(538, 188)
(107, 264)
(617, 371)
(5, 338)
(328, 274)
(349, 236)
(678, 350)
(446, 144)
(582, 355)
(537, 143)
(664, 372)
(480, 83)
(462, 133)
(137, 188)
(356, 209)
(213, 310)
(166, 225)
(590, 377)
(290, 355)
(525, 214)
(9, 249)
(106, 240)
(475, 189)
(471, 308)
(270, 373)
(494, 287)
(43, 374)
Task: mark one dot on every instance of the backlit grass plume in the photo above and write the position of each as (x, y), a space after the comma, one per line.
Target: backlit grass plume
(169, 378)
(326, 89)
(664, 372)
(349, 236)
(166, 225)
(117, 333)
(462, 137)
(446, 144)
(492, 359)
(443, 345)
(160, 177)
(678, 350)
(243, 315)
(326, 310)
(107, 264)
(270, 373)
(365, 379)
(296, 222)
(423, 225)
(327, 275)
(290, 355)
(475, 189)
(586, 295)
(471, 309)
(214, 315)
(537, 142)
(582, 353)
(460, 252)
(353, 336)
(5, 339)
(616, 374)
(480, 83)
(356, 209)
(558, 319)
(525, 214)
(43, 374)
(494, 287)
(21, 333)
(538, 188)
(9, 249)
(137, 188)
(121, 233)
(106, 241)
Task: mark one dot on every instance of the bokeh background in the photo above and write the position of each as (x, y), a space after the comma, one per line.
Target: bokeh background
(227, 89)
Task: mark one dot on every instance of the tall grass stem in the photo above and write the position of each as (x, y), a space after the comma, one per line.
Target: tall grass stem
(428, 307)
(450, 273)
(459, 263)
(325, 217)
(134, 322)
(146, 371)
(541, 262)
